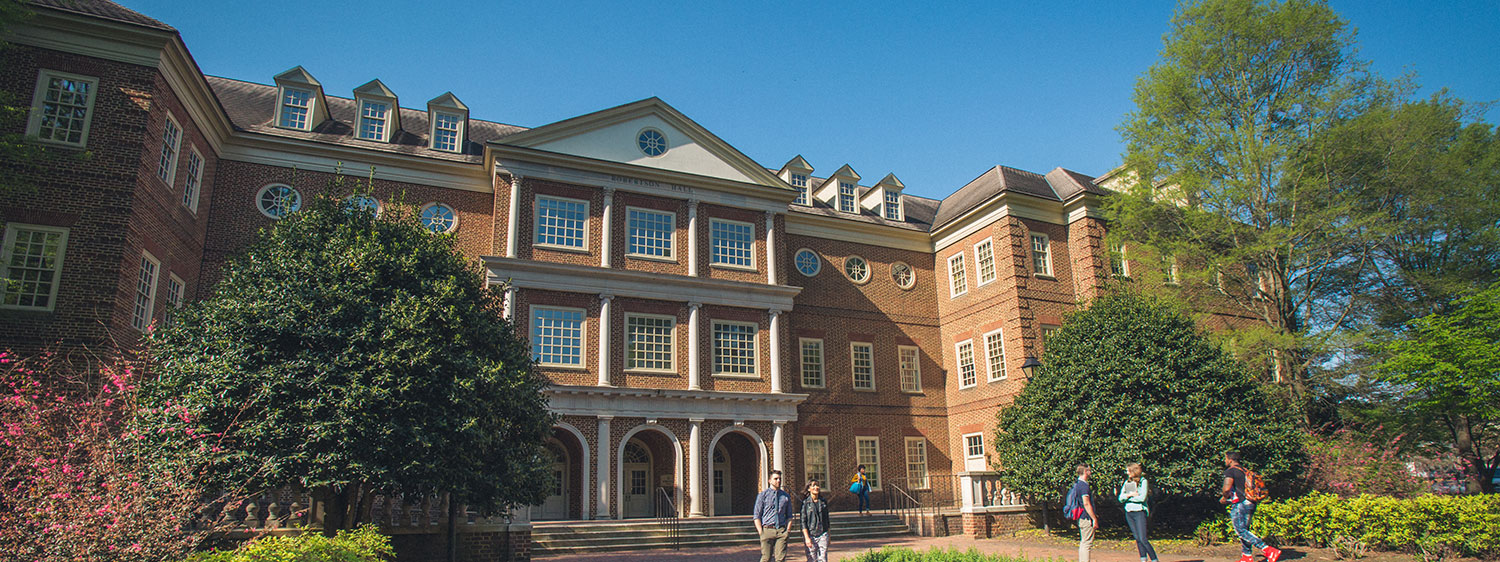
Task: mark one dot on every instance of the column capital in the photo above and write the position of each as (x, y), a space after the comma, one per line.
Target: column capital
(692, 206)
(775, 312)
(779, 423)
(739, 423)
(695, 420)
(608, 191)
(605, 417)
(516, 178)
(606, 297)
(651, 421)
(695, 305)
(771, 216)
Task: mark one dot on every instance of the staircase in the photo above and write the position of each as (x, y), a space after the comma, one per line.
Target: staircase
(573, 537)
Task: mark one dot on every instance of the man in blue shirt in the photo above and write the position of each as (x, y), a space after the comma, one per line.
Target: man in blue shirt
(773, 513)
(1080, 495)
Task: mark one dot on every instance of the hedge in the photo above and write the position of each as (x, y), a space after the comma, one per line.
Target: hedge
(1432, 525)
(364, 544)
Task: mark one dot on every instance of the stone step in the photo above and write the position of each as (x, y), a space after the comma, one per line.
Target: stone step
(685, 534)
(551, 539)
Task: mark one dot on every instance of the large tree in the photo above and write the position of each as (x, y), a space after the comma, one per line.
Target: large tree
(349, 355)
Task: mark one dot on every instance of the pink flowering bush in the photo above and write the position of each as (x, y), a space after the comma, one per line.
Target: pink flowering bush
(1349, 464)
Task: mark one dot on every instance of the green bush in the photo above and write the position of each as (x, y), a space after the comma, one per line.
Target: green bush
(889, 554)
(1468, 525)
(364, 544)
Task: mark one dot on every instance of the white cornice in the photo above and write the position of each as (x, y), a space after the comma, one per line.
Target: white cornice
(672, 404)
(1089, 205)
(834, 228)
(566, 168)
(183, 76)
(1006, 205)
(94, 37)
(530, 274)
(286, 153)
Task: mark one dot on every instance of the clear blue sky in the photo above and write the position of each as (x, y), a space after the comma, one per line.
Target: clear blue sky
(934, 93)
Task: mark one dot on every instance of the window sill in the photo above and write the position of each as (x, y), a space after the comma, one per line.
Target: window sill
(1001, 379)
(811, 387)
(732, 267)
(736, 377)
(646, 257)
(961, 387)
(869, 390)
(954, 296)
(914, 392)
(562, 367)
(557, 248)
(650, 372)
(1044, 276)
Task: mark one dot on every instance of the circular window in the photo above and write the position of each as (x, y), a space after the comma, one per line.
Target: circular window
(438, 217)
(278, 200)
(857, 269)
(652, 142)
(362, 202)
(903, 275)
(808, 263)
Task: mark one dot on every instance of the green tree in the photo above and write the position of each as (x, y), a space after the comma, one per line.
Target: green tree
(16, 151)
(348, 355)
(1449, 363)
(1132, 379)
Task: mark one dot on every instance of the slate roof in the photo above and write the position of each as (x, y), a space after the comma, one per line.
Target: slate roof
(1058, 185)
(919, 210)
(104, 9)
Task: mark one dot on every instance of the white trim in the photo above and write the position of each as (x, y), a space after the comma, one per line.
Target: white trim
(712, 256)
(429, 205)
(760, 448)
(926, 468)
(671, 235)
(869, 270)
(262, 191)
(799, 269)
(671, 345)
(194, 179)
(953, 290)
(164, 165)
(284, 152)
(136, 321)
(853, 375)
(988, 242)
(666, 142)
(959, 365)
(713, 346)
(39, 95)
(458, 141)
(536, 222)
(901, 367)
(879, 477)
(281, 105)
(359, 118)
(678, 484)
(1046, 243)
(804, 223)
(827, 471)
(912, 282)
(563, 277)
(583, 340)
(988, 363)
(7, 247)
(822, 363)
(588, 465)
(591, 401)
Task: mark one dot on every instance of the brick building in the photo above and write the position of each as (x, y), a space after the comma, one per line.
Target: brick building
(703, 318)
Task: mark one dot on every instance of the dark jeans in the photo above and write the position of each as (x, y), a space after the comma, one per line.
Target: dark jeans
(864, 498)
(1137, 522)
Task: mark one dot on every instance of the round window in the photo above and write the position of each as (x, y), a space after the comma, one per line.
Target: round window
(278, 200)
(857, 269)
(808, 263)
(363, 202)
(652, 142)
(903, 275)
(438, 217)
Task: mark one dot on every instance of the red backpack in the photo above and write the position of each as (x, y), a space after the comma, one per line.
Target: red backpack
(1255, 487)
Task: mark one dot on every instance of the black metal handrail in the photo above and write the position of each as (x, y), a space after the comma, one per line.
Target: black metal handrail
(666, 516)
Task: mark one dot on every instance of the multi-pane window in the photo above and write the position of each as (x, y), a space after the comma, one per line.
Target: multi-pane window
(893, 205)
(903, 275)
(846, 197)
(916, 463)
(560, 222)
(868, 452)
(808, 263)
(174, 297)
(278, 200)
(815, 459)
(557, 336)
(171, 141)
(445, 131)
(733, 243)
(373, 116)
(959, 278)
(31, 265)
(1041, 255)
(974, 452)
(1169, 265)
(194, 180)
(1117, 265)
(966, 373)
(295, 106)
(734, 348)
(63, 108)
(650, 232)
(857, 269)
(799, 181)
(438, 217)
(994, 353)
(862, 358)
(145, 292)
(984, 260)
(648, 342)
(911, 368)
(812, 362)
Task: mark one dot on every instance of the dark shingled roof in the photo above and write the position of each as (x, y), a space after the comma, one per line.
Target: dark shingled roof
(103, 9)
(1069, 184)
(919, 210)
(988, 185)
(252, 106)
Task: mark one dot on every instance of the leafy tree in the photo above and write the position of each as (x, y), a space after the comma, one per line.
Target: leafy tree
(15, 151)
(349, 355)
(1131, 379)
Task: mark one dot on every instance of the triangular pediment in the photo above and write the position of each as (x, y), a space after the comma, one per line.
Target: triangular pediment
(297, 75)
(647, 133)
(797, 164)
(448, 101)
(845, 172)
(890, 181)
(375, 89)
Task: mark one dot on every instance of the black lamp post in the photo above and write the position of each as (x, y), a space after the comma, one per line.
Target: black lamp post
(1029, 367)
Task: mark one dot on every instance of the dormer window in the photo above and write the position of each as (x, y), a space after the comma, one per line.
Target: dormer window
(445, 132)
(847, 192)
(893, 205)
(300, 98)
(449, 119)
(799, 181)
(296, 105)
(372, 120)
(379, 114)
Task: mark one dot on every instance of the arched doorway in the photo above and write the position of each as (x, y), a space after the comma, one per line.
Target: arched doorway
(555, 506)
(722, 484)
(742, 471)
(637, 469)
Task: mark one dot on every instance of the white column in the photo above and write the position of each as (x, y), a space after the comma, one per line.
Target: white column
(695, 340)
(601, 468)
(606, 239)
(605, 320)
(775, 350)
(771, 248)
(514, 223)
(693, 237)
(695, 464)
(778, 446)
(509, 312)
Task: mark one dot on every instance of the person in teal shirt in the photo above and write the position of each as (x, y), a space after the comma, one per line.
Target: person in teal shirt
(1133, 494)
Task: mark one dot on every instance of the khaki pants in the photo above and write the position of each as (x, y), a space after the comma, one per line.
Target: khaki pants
(1085, 539)
(772, 544)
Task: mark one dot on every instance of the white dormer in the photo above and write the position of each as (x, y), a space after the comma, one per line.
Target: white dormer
(300, 104)
(841, 190)
(796, 173)
(448, 120)
(884, 199)
(377, 114)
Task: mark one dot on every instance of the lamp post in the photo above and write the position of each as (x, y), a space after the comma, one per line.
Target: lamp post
(1029, 367)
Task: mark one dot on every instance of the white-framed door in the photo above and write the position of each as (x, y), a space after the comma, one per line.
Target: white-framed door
(721, 481)
(556, 505)
(636, 463)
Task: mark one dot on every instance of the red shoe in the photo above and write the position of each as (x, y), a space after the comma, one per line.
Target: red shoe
(1272, 553)
(1247, 558)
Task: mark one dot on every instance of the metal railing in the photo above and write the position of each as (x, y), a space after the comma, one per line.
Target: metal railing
(667, 517)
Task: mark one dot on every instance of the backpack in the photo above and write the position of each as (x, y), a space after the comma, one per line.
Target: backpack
(1255, 486)
(1072, 505)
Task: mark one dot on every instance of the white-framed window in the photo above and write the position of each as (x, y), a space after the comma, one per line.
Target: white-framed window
(145, 292)
(916, 463)
(1048, 331)
(171, 143)
(735, 347)
(994, 354)
(846, 197)
(31, 266)
(652, 142)
(439, 218)
(903, 275)
(1169, 265)
(174, 297)
(732, 243)
(815, 458)
(649, 342)
(893, 205)
(557, 336)
(799, 181)
(651, 232)
(62, 108)
(984, 261)
(868, 452)
(369, 204)
(808, 263)
(1041, 254)
(958, 275)
(447, 129)
(857, 269)
(967, 377)
(1117, 264)
(562, 223)
(194, 180)
(911, 367)
(974, 452)
(277, 200)
(812, 362)
(374, 120)
(296, 107)
(862, 363)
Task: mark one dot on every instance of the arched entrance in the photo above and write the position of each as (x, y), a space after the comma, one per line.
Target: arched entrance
(648, 471)
(636, 464)
(740, 464)
(555, 506)
(568, 461)
(723, 486)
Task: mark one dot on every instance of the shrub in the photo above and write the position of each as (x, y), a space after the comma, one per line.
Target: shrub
(889, 554)
(364, 544)
(1468, 525)
(1348, 464)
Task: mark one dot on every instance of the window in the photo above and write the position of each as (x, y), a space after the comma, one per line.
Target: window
(373, 119)
(1041, 255)
(62, 108)
(868, 449)
(194, 180)
(984, 260)
(557, 336)
(893, 205)
(368, 204)
(916, 463)
(560, 222)
(296, 105)
(171, 141)
(815, 459)
(31, 265)
(648, 342)
(812, 362)
(145, 292)
(439, 218)
(966, 375)
(994, 353)
(911, 368)
(174, 297)
(846, 197)
(799, 181)
(734, 348)
(1048, 332)
(974, 452)
(903, 275)
(733, 243)
(1169, 266)
(959, 278)
(278, 200)
(447, 128)
(862, 359)
(857, 269)
(1117, 266)
(650, 232)
(651, 142)
(808, 263)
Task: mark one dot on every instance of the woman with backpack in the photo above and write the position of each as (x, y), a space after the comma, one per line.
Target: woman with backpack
(1133, 494)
